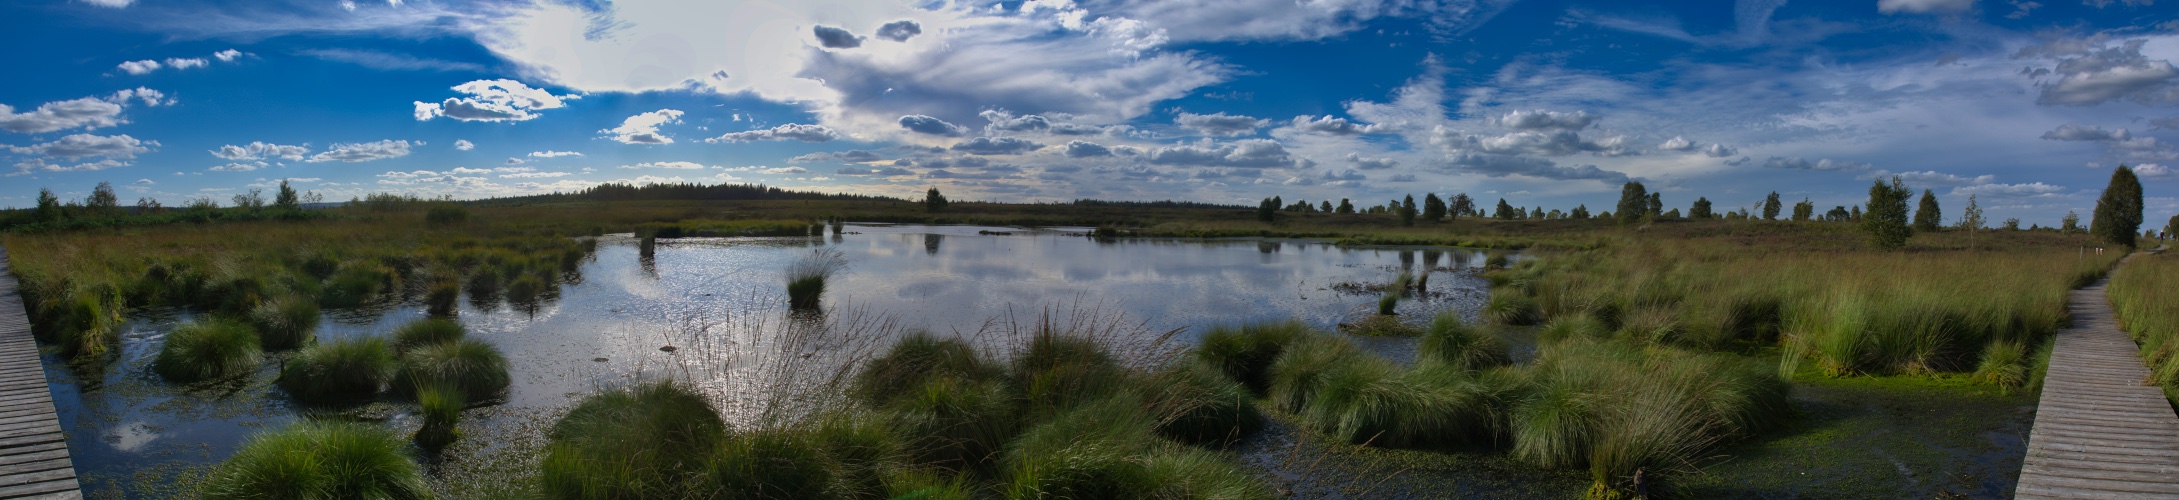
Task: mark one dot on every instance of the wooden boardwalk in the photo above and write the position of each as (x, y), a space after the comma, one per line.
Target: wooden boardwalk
(2099, 431)
(33, 453)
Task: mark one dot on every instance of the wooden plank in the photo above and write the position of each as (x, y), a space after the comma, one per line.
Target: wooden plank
(34, 458)
(2099, 431)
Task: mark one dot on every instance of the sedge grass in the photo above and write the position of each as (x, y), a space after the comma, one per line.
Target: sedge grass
(468, 366)
(651, 440)
(441, 406)
(1453, 344)
(1246, 352)
(343, 371)
(425, 332)
(208, 349)
(319, 460)
(285, 323)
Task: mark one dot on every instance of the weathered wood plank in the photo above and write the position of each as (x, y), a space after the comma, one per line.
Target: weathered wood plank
(34, 458)
(2099, 432)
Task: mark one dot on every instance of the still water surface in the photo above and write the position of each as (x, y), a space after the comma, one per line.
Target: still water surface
(132, 433)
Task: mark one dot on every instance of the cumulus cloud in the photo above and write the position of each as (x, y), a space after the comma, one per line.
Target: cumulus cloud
(1499, 165)
(121, 147)
(88, 113)
(111, 4)
(1348, 175)
(2071, 132)
(643, 128)
(1257, 20)
(1932, 177)
(1004, 122)
(553, 154)
(1086, 149)
(836, 38)
(1720, 151)
(1678, 143)
(1247, 153)
(1558, 142)
(187, 62)
(239, 167)
(931, 125)
(1924, 6)
(1220, 123)
(677, 165)
(1327, 125)
(783, 170)
(899, 31)
(1547, 120)
(1371, 163)
(1823, 165)
(27, 166)
(492, 101)
(2029, 190)
(138, 67)
(260, 150)
(2153, 170)
(787, 132)
(995, 146)
(849, 156)
(464, 144)
(364, 151)
(879, 172)
(391, 61)
(228, 55)
(2090, 74)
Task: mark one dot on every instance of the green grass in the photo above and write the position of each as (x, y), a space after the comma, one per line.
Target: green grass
(471, 367)
(2005, 365)
(208, 349)
(1507, 307)
(2141, 294)
(1453, 344)
(1195, 403)
(772, 464)
(806, 277)
(915, 360)
(1059, 370)
(319, 460)
(441, 407)
(651, 440)
(1245, 352)
(357, 283)
(426, 332)
(954, 424)
(338, 372)
(285, 323)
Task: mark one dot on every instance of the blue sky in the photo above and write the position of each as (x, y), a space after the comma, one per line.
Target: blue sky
(2025, 105)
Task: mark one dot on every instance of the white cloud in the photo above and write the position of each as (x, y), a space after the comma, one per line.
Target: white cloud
(1720, 151)
(238, 167)
(1086, 149)
(145, 182)
(120, 147)
(187, 62)
(1328, 125)
(2029, 190)
(492, 101)
(2089, 73)
(643, 127)
(114, 4)
(88, 113)
(138, 67)
(1371, 163)
(1249, 153)
(791, 131)
(1220, 123)
(678, 165)
(1241, 20)
(783, 170)
(464, 144)
(260, 150)
(389, 61)
(26, 167)
(1678, 143)
(1548, 120)
(1924, 6)
(228, 55)
(930, 125)
(996, 146)
(2071, 132)
(2153, 170)
(553, 154)
(1824, 165)
(361, 152)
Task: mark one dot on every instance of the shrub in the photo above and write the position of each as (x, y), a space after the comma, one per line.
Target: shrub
(1245, 353)
(285, 323)
(441, 410)
(207, 349)
(342, 371)
(425, 332)
(470, 367)
(446, 214)
(1453, 344)
(915, 360)
(647, 441)
(319, 460)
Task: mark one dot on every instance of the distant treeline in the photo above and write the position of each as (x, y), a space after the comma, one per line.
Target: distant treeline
(1152, 204)
(688, 192)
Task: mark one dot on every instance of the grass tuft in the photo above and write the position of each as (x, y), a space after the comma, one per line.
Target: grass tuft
(343, 371)
(471, 367)
(1245, 353)
(442, 411)
(207, 349)
(319, 460)
(425, 332)
(1453, 344)
(285, 323)
(915, 360)
(647, 441)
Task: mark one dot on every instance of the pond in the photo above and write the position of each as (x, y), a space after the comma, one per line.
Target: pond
(700, 308)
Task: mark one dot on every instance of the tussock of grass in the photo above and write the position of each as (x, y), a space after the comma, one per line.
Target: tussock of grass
(319, 460)
(471, 367)
(1570, 326)
(1058, 370)
(2005, 365)
(954, 424)
(1450, 343)
(771, 464)
(285, 323)
(207, 349)
(343, 371)
(915, 360)
(444, 298)
(425, 332)
(1101, 450)
(806, 277)
(647, 441)
(1245, 353)
(1195, 403)
(1301, 368)
(1509, 308)
(442, 410)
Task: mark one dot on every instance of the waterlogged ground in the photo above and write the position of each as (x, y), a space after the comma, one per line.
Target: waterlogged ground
(719, 304)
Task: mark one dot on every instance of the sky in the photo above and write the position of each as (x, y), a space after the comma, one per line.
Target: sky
(2025, 105)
